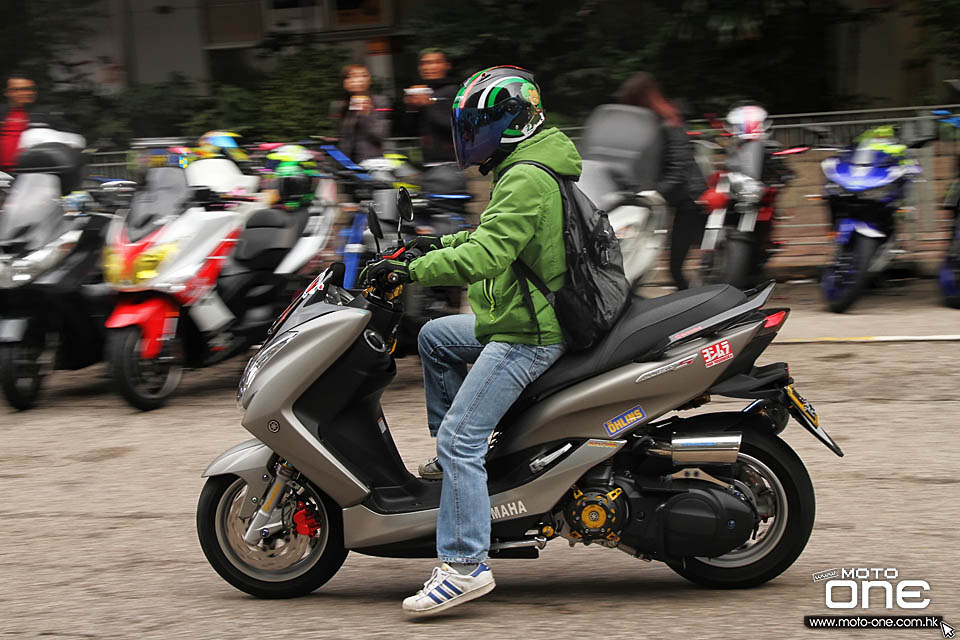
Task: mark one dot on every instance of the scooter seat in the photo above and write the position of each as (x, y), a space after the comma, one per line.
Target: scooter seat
(643, 325)
(268, 236)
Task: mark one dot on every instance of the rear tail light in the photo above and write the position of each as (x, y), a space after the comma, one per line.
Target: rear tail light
(774, 320)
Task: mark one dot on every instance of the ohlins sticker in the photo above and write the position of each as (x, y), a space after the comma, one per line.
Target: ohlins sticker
(716, 353)
(624, 421)
(501, 511)
(673, 366)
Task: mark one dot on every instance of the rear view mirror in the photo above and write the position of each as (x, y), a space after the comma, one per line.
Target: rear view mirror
(404, 204)
(373, 223)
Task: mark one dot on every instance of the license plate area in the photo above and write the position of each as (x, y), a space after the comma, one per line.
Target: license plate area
(802, 405)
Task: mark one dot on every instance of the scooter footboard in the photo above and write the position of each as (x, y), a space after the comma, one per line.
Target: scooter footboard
(363, 527)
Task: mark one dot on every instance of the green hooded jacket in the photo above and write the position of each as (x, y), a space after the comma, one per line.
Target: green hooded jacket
(524, 219)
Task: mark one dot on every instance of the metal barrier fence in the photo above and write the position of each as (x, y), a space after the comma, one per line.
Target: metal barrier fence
(805, 222)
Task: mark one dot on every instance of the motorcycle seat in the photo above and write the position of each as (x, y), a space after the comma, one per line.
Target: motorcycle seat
(268, 236)
(642, 326)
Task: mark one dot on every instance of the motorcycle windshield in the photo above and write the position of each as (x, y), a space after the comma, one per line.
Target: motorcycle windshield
(165, 194)
(31, 213)
(748, 159)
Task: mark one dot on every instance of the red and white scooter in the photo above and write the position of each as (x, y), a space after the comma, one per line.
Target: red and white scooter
(201, 275)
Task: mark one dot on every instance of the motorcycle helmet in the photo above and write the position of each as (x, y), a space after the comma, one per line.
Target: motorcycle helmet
(748, 122)
(222, 144)
(294, 172)
(494, 110)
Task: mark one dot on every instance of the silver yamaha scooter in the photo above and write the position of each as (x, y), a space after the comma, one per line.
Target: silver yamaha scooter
(585, 454)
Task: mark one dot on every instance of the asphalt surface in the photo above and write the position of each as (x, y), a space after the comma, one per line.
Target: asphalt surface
(98, 511)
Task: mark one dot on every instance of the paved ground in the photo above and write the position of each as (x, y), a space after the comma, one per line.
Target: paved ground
(99, 499)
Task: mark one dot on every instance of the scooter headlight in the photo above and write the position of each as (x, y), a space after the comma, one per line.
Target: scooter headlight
(259, 361)
(22, 270)
(145, 265)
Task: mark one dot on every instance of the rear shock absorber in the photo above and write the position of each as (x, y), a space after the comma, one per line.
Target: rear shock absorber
(257, 528)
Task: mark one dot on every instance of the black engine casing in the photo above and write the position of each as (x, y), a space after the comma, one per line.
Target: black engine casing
(692, 519)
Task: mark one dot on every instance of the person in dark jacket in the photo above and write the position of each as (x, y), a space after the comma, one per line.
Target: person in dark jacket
(21, 93)
(427, 107)
(362, 122)
(681, 181)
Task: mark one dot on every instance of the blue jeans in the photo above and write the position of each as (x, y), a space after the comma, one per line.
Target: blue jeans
(463, 408)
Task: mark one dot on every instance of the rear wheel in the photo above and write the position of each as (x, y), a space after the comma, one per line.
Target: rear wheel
(285, 564)
(22, 369)
(844, 280)
(785, 501)
(146, 383)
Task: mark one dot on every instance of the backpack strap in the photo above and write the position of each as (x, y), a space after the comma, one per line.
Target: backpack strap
(523, 273)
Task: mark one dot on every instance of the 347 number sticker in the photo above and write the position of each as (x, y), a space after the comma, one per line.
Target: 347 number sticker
(716, 353)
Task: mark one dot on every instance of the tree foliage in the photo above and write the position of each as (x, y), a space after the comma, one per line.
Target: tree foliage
(710, 52)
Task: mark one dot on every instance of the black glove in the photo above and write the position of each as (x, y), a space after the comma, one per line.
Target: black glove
(388, 272)
(424, 244)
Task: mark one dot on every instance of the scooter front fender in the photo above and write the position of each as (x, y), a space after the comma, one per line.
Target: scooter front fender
(249, 461)
(151, 316)
(13, 329)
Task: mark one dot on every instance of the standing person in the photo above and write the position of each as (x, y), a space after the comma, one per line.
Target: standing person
(498, 121)
(681, 181)
(428, 107)
(21, 93)
(361, 119)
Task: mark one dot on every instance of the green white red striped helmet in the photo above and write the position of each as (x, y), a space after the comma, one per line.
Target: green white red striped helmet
(495, 109)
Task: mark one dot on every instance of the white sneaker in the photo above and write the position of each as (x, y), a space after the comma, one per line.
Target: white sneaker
(446, 588)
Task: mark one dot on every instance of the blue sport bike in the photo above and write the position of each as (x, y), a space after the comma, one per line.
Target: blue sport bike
(866, 187)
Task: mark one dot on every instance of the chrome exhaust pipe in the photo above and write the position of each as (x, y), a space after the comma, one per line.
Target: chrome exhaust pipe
(704, 448)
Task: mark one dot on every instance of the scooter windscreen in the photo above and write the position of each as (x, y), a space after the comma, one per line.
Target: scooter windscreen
(31, 213)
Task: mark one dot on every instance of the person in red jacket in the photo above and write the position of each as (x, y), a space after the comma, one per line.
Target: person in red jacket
(21, 93)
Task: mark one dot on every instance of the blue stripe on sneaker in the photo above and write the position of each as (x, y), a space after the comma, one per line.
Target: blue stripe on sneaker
(435, 598)
(443, 593)
(479, 570)
(447, 584)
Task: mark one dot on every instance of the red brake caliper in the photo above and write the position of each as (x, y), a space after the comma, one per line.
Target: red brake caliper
(305, 519)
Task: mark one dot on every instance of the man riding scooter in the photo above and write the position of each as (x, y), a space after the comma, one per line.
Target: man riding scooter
(497, 121)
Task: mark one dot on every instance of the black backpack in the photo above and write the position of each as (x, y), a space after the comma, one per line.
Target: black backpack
(596, 292)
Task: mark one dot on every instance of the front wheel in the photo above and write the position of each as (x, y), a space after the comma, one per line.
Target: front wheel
(786, 504)
(285, 563)
(146, 383)
(844, 280)
(21, 372)
(732, 262)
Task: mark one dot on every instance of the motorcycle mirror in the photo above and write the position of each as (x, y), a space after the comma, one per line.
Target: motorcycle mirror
(373, 223)
(404, 204)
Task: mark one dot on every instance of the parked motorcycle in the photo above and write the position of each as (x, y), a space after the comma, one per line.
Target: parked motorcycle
(738, 238)
(583, 454)
(200, 277)
(866, 187)
(52, 299)
(440, 208)
(949, 274)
